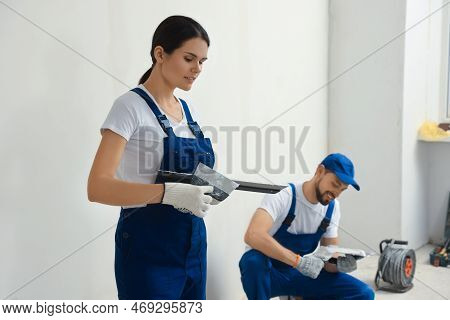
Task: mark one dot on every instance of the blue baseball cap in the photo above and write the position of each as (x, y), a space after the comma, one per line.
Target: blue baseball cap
(342, 167)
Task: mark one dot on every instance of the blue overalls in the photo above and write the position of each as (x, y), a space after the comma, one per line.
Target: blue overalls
(264, 278)
(160, 251)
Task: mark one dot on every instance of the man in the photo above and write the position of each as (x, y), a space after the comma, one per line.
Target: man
(288, 227)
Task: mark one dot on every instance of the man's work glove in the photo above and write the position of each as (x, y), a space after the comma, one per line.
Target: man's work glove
(310, 266)
(323, 253)
(346, 264)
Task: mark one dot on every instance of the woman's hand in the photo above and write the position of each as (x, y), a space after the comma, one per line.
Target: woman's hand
(188, 198)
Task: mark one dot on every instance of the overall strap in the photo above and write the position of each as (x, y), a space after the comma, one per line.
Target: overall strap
(193, 125)
(327, 219)
(291, 214)
(162, 119)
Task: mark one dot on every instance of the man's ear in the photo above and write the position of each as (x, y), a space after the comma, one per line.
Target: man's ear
(320, 170)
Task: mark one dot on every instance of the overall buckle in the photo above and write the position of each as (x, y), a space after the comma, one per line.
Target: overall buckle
(164, 122)
(195, 128)
(288, 220)
(324, 224)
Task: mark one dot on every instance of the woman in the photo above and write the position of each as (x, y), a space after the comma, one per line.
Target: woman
(160, 237)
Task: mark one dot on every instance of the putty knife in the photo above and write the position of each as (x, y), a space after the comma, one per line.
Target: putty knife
(205, 176)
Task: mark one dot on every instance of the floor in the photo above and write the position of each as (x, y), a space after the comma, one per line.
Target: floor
(430, 283)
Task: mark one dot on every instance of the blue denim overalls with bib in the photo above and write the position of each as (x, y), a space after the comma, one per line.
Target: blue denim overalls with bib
(263, 277)
(160, 251)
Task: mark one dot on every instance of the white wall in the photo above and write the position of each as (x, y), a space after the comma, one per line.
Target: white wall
(382, 103)
(421, 96)
(264, 57)
(365, 114)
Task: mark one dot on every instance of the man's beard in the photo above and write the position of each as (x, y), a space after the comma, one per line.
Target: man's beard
(321, 197)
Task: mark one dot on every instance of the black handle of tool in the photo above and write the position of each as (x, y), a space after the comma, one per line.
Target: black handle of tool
(258, 187)
(170, 176)
(386, 241)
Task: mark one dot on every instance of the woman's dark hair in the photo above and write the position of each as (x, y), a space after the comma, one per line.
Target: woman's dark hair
(171, 34)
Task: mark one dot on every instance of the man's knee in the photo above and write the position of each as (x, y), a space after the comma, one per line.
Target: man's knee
(253, 261)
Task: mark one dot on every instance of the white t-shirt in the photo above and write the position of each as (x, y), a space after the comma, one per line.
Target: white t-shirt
(308, 216)
(131, 117)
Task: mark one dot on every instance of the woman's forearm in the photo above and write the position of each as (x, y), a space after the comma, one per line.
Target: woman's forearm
(115, 192)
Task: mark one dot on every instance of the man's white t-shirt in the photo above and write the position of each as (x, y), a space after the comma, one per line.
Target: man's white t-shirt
(308, 216)
(132, 118)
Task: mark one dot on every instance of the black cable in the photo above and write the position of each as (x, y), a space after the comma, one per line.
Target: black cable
(397, 266)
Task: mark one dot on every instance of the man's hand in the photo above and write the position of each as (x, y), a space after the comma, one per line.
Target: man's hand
(310, 266)
(330, 267)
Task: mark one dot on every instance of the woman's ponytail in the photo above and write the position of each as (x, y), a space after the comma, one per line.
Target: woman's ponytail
(146, 75)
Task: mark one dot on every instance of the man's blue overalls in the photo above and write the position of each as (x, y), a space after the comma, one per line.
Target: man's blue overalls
(264, 278)
(160, 251)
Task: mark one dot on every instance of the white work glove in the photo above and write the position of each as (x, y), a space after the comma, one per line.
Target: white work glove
(323, 253)
(188, 198)
(310, 266)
